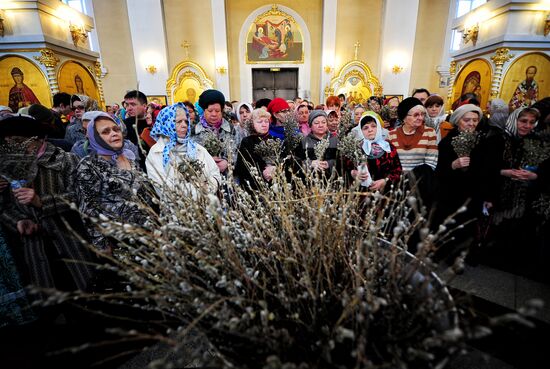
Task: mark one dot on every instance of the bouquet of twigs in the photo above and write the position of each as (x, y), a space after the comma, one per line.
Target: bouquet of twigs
(19, 164)
(535, 151)
(346, 123)
(190, 168)
(293, 137)
(464, 143)
(270, 150)
(212, 143)
(350, 147)
(321, 147)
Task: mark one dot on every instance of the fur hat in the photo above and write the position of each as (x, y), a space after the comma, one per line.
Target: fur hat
(406, 105)
(41, 113)
(18, 125)
(210, 97)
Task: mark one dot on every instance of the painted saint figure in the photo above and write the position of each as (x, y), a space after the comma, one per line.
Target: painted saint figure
(526, 92)
(79, 84)
(20, 94)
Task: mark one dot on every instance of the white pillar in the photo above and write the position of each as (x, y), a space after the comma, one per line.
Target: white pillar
(220, 47)
(149, 45)
(397, 45)
(330, 8)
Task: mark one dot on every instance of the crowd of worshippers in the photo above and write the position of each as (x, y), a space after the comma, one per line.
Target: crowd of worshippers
(96, 160)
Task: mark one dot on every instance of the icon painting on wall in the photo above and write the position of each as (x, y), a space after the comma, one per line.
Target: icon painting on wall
(23, 84)
(526, 80)
(73, 78)
(274, 37)
(474, 78)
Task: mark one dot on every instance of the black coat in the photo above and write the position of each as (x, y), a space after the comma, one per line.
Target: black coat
(247, 157)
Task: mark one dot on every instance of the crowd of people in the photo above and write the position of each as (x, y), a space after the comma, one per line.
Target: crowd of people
(488, 167)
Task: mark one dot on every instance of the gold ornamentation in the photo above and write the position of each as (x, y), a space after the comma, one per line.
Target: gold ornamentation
(328, 69)
(1, 23)
(329, 91)
(185, 70)
(221, 70)
(452, 67)
(396, 69)
(78, 33)
(378, 90)
(471, 34)
(546, 25)
(151, 69)
(48, 58)
(274, 11)
(360, 70)
(356, 48)
(97, 68)
(501, 56)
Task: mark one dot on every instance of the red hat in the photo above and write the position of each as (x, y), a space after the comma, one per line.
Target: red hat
(276, 105)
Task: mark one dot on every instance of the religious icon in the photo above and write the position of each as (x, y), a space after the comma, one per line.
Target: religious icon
(74, 78)
(79, 84)
(191, 95)
(474, 78)
(526, 92)
(274, 37)
(20, 94)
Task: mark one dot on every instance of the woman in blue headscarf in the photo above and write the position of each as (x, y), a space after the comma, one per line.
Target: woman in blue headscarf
(109, 182)
(381, 156)
(172, 159)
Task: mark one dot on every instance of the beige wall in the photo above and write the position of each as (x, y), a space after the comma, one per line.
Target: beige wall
(113, 31)
(428, 45)
(237, 11)
(190, 21)
(358, 20)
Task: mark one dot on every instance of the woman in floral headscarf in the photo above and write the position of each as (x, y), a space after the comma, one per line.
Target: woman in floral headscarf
(109, 182)
(175, 154)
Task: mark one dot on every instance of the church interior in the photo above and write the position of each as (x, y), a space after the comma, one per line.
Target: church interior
(176, 51)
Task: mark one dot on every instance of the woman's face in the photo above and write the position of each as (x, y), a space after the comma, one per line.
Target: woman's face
(244, 113)
(181, 123)
(525, 124)
(303, 114)
(149, 118)
(375, 106)
(369, 130)
(319, 126)
(110, 132)
(261, 125)
(468, 122)
(357, 113)
(78, 108)
(333, 122)
(191, 114)
(433, 110)
(213, 114)
(414, 118)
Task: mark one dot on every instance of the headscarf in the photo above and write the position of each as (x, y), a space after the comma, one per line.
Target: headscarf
(378, 139)
(165, 125)
(89, 103)
(499, 111)
(462, 110)
(238, 112)
(512, 122)
(101, 147)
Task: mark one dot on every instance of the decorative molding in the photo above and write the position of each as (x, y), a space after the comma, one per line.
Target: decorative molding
(499, 59)
(357, 69)
(501, 56)
(48, 58)
(184, 70)
(274, 11)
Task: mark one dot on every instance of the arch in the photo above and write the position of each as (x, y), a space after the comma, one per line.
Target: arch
(34, 78)
(481, 73)
(360, 72)
(304, 68)
(67, 74)
(187, 75)
(516, 73)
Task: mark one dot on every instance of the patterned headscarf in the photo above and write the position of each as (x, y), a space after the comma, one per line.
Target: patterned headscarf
(101, 147)
(165, 125)
(378, 139)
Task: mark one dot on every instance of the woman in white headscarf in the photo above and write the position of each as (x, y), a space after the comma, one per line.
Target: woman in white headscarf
(381, 156)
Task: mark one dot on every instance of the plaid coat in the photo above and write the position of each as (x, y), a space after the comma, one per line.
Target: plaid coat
(55, 243)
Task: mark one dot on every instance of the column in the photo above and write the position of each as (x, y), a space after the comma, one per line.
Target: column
(98, 72)
(501, 56)
(328, 48)
(452, 73)
(49, 60)
(220, 47)
(397, 45)
(149, 45)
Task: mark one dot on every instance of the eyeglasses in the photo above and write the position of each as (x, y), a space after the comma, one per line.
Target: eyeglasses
(78, 107)
(417, 115)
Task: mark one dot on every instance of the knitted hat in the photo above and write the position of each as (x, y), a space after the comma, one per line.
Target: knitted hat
(315, 114)
(41, 113)
(276, 105)
(459, 112)
(406, 105)
(23, 126)
(210, 97)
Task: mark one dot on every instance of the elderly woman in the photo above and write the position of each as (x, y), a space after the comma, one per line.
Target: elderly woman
(456, 177)
(79, 104)
(35, 198)
(358, 113)
(244, 113)
(306, 152)
(174, 144)
(302, 115)
(108, 181)
(212, 125)
(382, 161)
(249, 157)
(416, 145)
(508, 172)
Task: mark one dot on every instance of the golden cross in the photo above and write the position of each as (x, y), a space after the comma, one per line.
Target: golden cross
(356, 46)
(186, 45)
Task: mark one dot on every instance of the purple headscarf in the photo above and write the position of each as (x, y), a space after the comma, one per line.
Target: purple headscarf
(98, 145)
